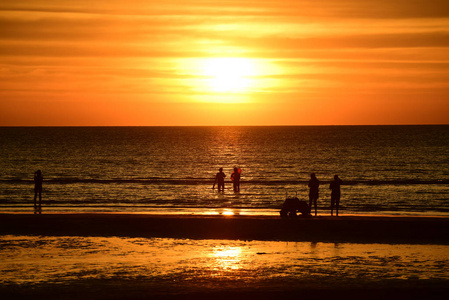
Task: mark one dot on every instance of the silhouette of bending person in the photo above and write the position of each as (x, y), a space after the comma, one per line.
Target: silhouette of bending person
(335, 194)
(292, 205)
(314, 183)
(235, 177)
(38, 179)
(219, 180)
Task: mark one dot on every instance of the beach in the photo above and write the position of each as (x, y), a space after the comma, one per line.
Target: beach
(162, 149)
(140, 256)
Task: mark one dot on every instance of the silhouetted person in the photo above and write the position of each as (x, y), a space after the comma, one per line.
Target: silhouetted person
(219, 180)
(314, 183)
(335, 194)
(235, 177)
(38, 179)
(292, 205)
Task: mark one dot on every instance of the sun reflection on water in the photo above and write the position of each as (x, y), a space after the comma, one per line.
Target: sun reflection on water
(213, 263)
(226, 258)
(228, 212)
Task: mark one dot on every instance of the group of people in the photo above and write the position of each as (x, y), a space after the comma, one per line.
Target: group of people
(235, 177)
(293, 205)
(334, 186)
(314, 185)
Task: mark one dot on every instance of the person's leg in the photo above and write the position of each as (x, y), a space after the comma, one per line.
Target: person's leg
(315, 202)
(35, 197)
(310, 204)
(40, 198)
(332, 205)
(336, 205)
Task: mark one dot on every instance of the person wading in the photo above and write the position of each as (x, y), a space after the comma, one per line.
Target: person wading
(314, 183)
(38, 179)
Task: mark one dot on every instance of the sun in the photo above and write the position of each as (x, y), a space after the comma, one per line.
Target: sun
(227, 79)
(229, 74)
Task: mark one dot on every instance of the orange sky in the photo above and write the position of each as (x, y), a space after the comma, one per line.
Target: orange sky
(240, 62)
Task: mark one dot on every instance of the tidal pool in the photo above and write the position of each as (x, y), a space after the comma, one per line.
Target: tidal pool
(215, 263)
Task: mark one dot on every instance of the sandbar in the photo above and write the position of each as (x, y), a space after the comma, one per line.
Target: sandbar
(354, 229)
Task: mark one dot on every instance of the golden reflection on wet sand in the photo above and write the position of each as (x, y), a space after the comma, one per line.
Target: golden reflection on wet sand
(226, 257)
(27, 259)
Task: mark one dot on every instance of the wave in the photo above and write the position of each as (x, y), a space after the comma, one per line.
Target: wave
(204, 181)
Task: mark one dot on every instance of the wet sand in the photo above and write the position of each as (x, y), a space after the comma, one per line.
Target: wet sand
(223, 257)
(354, 229)
(74, 267)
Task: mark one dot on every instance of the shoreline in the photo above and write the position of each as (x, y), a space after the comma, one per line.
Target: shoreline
(347, 228)
(217, 211)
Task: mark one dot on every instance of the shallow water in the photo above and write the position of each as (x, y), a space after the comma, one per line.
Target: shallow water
(385, 169)
(215, 263)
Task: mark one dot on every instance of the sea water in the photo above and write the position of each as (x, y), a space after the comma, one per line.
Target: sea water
(401, 170)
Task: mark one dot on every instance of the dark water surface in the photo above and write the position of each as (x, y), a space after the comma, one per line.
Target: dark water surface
(386, 169)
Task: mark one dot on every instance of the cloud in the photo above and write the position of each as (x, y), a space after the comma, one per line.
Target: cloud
(102, 50)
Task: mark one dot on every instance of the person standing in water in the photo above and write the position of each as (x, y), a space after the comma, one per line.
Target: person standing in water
(235, 177)
(314, 183)
(38, 179)
(219, 180)
(335, 194)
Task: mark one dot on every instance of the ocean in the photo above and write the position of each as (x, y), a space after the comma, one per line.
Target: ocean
(386, 170)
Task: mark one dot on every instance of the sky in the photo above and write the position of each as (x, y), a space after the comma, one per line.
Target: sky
(236, 62)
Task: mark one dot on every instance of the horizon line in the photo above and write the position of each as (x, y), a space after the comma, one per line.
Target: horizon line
(323, 125)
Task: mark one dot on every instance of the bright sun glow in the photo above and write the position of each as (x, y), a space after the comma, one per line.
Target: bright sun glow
(228, 213)
(227, 79)
(228, 74)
